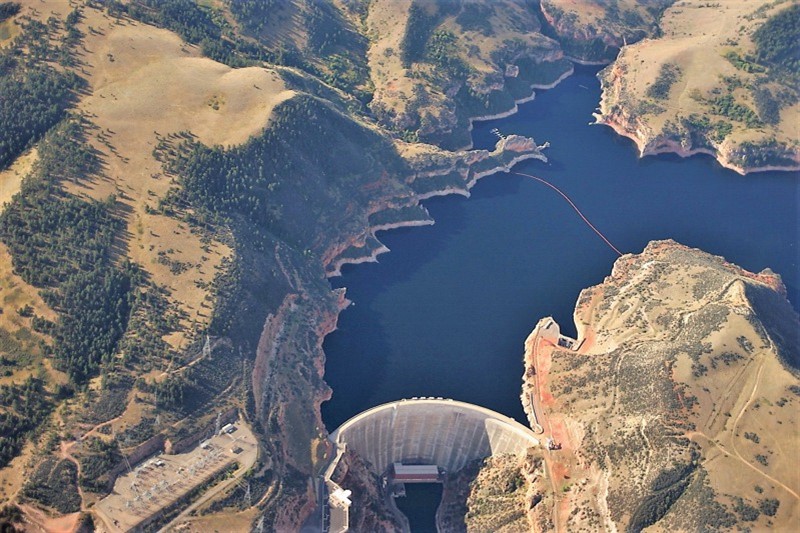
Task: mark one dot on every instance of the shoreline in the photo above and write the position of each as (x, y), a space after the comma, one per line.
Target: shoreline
(588, 63)
(515, 109)
(372, 256)
(674, 148)
(372, 250)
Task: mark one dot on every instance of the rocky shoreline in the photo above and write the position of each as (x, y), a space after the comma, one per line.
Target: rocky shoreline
(665, 146)
(310, 310)
(515, 109)
(526, 148)
(587, 62)
(663, 125)
(335, 268)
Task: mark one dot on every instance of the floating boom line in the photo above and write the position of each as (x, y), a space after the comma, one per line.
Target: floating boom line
(575, 207)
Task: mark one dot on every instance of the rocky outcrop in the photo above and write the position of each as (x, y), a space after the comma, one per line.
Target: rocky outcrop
(619, 109)
(688, 90)
(498, 493)
(660, 401)
(595, 32)
(435, 173)
(370, 510)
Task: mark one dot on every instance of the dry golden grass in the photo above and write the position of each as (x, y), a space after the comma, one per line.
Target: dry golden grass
(219, 522)
(13, 476)
(750, 398)
(695, 38)
(146, 83)
(510, 20)
(651, 309)
(387, 25)
(15, 294)
(396, 86)
(11, 178)
(592, 12)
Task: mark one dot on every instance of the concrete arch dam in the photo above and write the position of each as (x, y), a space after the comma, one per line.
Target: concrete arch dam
(437, 431)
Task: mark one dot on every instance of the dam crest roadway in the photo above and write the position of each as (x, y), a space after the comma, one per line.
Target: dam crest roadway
(422, 431)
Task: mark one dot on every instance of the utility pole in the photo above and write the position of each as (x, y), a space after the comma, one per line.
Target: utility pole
(207, 347)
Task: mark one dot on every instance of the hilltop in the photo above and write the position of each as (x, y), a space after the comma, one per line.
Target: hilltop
(674, 408)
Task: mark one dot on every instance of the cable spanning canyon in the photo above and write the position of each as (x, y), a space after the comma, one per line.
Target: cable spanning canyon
(575, 207)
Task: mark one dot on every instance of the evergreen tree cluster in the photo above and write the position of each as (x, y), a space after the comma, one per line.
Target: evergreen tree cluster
(8, 10)
(254, 15)
(260, 180)
(767, 106)
(25, 406)
(64, 245)
(34, 96)
(197, 25)
(326, 29)
(441, 51)
(54, 483)
(667, 76)
(169, 393)
(101, 457)
(778, 40)
(419, 28)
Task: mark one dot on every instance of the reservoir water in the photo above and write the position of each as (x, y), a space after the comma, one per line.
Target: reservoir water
(447, 311)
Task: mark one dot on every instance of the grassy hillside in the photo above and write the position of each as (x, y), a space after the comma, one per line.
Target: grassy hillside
(721, 79)
(181, 177)
(673, 411)
(180, 182)
(434, 65)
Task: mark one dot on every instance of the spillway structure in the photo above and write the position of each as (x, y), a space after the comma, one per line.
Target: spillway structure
(423, 431)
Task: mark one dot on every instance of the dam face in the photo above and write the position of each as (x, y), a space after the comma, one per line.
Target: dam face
(437, 431)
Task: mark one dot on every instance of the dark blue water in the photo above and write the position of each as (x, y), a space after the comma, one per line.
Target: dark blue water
(447, 311)
(419, 505)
